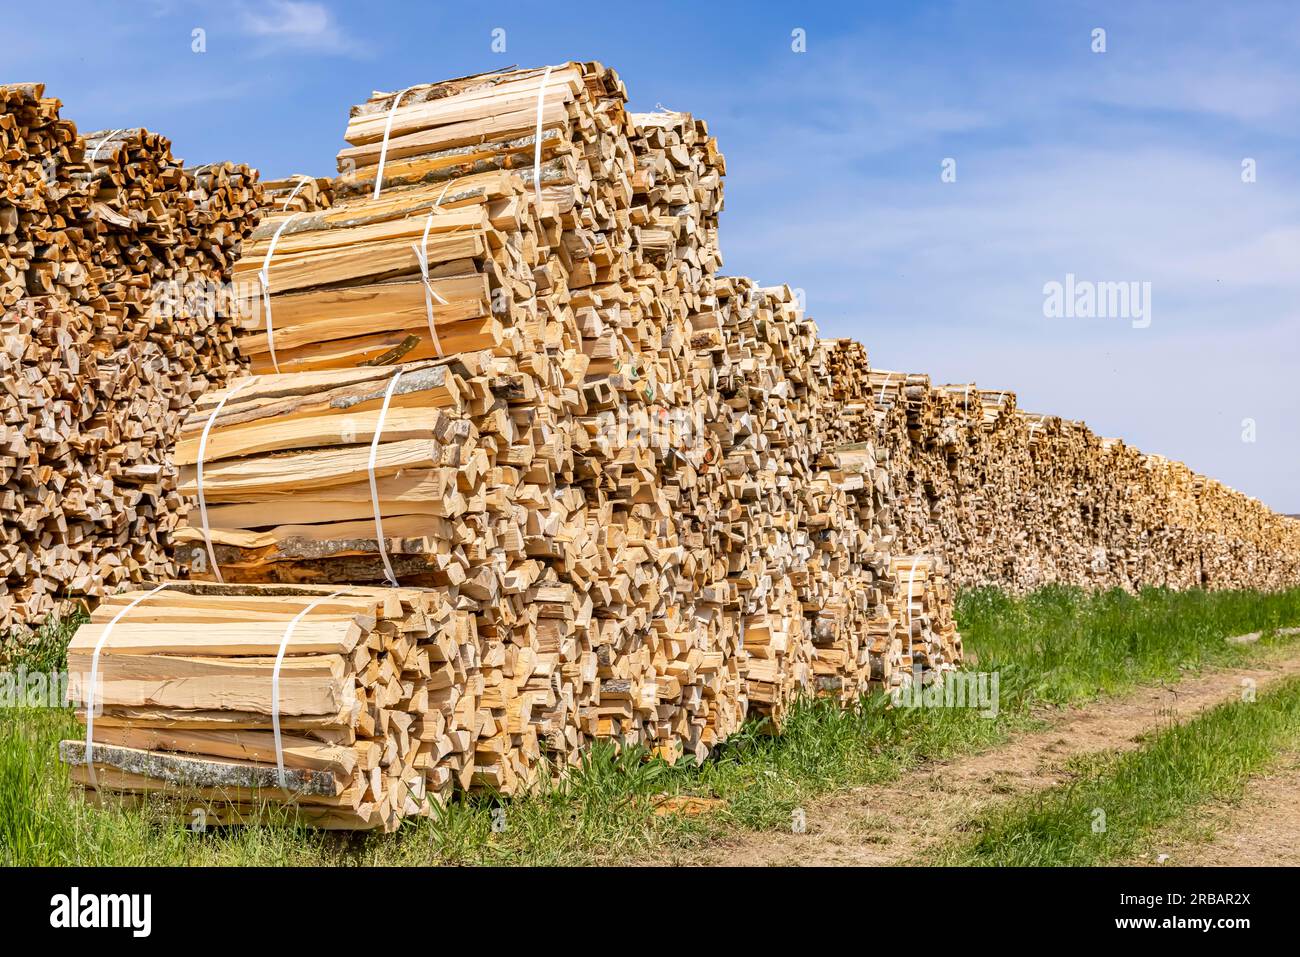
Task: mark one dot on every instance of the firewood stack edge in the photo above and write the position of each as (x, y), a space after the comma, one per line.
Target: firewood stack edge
(109, 250)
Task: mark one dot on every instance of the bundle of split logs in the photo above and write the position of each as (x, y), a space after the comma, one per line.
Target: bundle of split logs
(352, 702)
(112, 257)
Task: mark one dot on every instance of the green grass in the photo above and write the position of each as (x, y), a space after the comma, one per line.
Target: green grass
(1182, 767)
(42, 649)
(1078, 644)
(604, 811)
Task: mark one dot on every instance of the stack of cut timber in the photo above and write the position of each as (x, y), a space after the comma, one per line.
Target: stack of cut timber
(912, 596)
(440, 132)
(287, 493)
(790, 512)
(581, 568)
(167, 238)
(931, 642)
(286, 478)
(1018, 500)
(48, 294)
(297, 194)
(585, 449)
(678, 195)
(660, 501)
(113, 258)
(665, 502)
(376, 691)
(46, 235)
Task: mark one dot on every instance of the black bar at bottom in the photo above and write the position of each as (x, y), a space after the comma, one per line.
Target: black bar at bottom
(329, 907)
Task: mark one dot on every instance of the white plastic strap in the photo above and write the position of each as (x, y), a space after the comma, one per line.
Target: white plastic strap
(965, 396)
(430, 294)
(374, 490)
(203, 451)
(264, 276)
(94, 680)
(383, 149)
(537, 140)
(275, 685)
(94, 154)
(303, 180)
(885, 385)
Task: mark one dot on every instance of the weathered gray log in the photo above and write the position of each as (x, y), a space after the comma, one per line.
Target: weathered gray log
(185, 771)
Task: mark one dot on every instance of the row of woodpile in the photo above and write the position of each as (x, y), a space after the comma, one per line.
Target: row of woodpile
(623, 485)
(1018, 500)
(111, 253)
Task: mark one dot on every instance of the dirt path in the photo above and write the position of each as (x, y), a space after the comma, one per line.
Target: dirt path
(1262, 829)
(894, 823)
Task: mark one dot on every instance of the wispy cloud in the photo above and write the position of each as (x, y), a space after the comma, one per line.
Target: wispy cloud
(1117, 167)
(296, 25)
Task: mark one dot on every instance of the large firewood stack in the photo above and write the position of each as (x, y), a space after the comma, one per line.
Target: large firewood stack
(110, 256)
(1018, 500)
(49, 295)
(866, 435)
(609, 457)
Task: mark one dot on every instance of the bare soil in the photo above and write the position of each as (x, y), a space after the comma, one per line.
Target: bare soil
(898, 823)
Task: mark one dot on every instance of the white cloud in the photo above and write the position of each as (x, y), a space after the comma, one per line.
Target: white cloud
(295, 24)
(1123, 167)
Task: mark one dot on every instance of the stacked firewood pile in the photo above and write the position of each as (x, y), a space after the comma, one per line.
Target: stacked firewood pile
(349, 698)
(112, 257)
(297, 194)
(533, 395)
(1018, 500)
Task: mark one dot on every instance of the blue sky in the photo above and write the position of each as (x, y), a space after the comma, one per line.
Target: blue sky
(1117, 166)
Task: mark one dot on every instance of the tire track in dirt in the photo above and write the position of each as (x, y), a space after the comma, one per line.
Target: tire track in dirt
(898, 822)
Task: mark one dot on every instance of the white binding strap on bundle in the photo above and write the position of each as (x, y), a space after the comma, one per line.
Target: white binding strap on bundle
(94, 154)
(93, 686)
(422, 256)
(203, 450)
(911, 578)
(383, 148)
(303, 180)
(537, 143)
(275, 685)
(264, 277)
(885, 385)
(374, 489)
